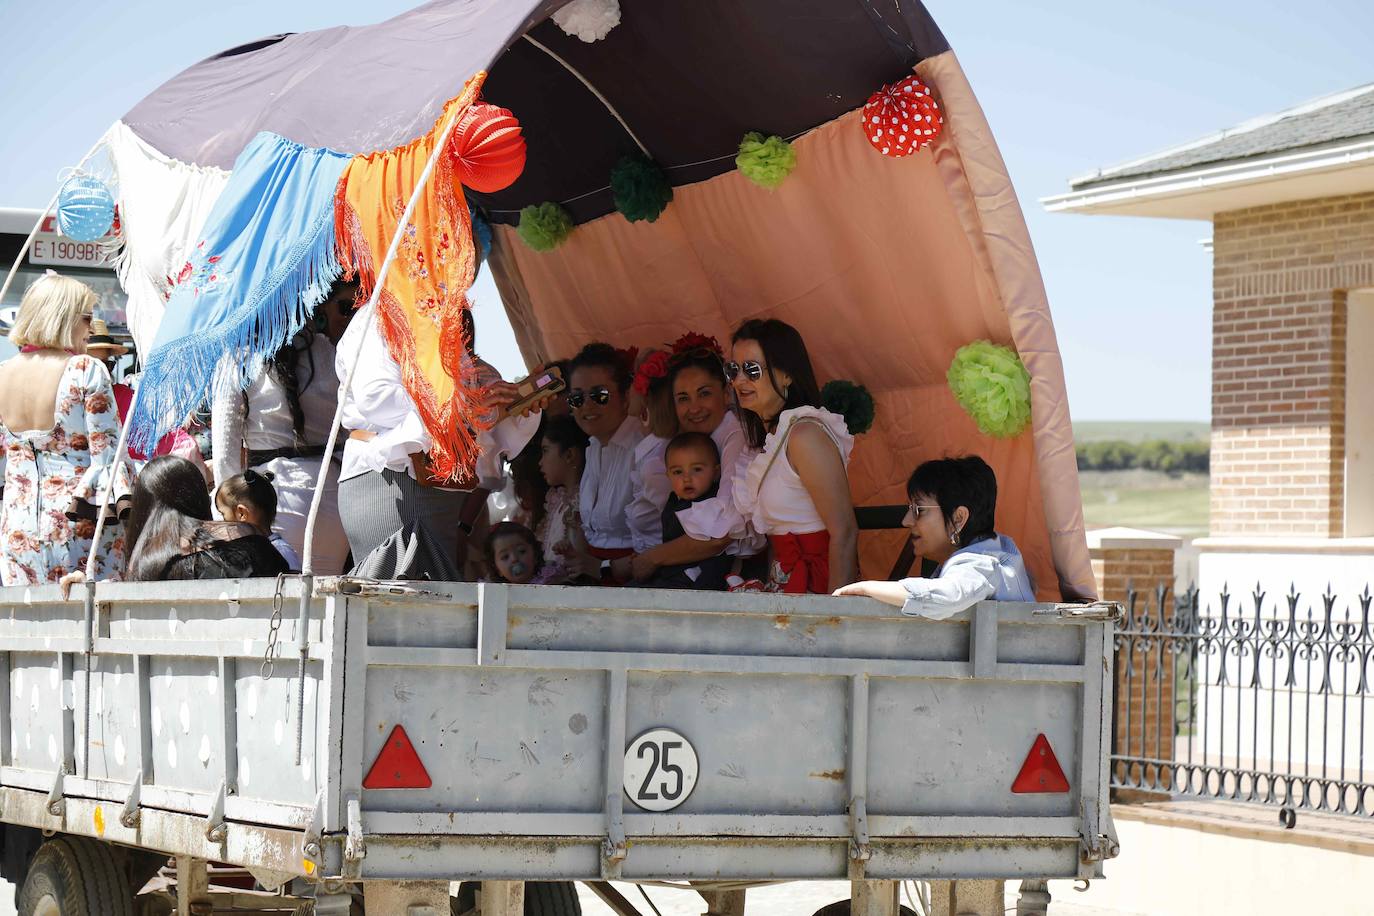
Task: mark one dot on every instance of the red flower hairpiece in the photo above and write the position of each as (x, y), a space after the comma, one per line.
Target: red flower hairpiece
(694, 341)
(655, 366)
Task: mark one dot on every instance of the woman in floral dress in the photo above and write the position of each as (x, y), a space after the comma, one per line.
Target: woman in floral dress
(58, 433)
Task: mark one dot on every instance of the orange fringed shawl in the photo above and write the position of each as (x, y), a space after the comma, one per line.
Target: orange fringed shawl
(420, 308)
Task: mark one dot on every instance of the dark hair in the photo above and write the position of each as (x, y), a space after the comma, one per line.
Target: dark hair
(565, 433)
(251, 487)
(170, 503)
(691, 440)
(700, 358)
(507, 529)
(286, 361)
(783, 349)
(469, 329)
(603, 356)
(955, 482)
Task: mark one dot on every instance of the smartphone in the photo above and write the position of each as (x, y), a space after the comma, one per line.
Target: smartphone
(527, 391)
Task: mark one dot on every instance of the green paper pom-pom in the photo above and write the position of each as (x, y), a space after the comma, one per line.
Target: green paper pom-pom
(993, 386)
(640, 189)
(544, 226)
(851, 401)
(765, 161)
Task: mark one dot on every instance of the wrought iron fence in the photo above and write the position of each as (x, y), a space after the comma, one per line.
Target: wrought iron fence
(1261, 700)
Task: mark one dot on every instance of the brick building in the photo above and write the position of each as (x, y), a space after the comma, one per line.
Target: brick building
(1291, 200)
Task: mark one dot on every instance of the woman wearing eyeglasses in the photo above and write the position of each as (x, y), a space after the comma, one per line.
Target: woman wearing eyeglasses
(695, 379)
(598, 385)
(796, 490)
(950, 518)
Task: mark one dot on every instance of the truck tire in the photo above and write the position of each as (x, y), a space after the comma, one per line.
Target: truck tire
(542, 898)
(841, 908)
(75, 876)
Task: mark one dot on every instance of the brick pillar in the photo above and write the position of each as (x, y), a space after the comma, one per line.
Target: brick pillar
(1125, 559)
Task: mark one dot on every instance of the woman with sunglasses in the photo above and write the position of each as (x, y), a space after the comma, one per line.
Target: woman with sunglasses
(950, 517)
(796, 490)
(701, 403)
(598, 385)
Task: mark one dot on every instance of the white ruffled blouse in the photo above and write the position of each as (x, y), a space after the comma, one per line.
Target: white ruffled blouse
(773, 499)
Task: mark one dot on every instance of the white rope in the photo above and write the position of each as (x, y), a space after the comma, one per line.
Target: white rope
(308, 559)
(593, 90)
(121, 456)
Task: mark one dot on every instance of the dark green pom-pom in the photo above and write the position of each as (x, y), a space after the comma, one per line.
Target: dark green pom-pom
(640, 189)
(851, 401)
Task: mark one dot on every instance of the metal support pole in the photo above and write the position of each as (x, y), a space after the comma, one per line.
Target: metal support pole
(501, 898)
(1034, 899)
(723, 903)
(873, 898)
(193, 887)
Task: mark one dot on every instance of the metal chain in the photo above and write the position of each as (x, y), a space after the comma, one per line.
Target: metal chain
(273, 631)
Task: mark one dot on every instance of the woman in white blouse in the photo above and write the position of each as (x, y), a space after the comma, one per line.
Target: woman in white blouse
(280, 425)
(379, 495)
(796, 489)
(701, 403)
(598, 385)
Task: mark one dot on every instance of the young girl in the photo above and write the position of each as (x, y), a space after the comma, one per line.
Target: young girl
(562, 456)
(251, 499)
(952, 502)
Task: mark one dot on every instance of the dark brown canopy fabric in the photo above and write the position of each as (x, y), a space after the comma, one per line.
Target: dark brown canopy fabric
(687, 78)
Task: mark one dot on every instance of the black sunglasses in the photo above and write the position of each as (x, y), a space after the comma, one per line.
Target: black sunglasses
(599, 395)
(753, 369)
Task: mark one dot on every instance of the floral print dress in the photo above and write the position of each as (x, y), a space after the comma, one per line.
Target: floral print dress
(44, 470)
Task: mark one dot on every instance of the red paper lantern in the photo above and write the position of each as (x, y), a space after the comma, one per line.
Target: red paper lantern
(489, 148)
(901, 118)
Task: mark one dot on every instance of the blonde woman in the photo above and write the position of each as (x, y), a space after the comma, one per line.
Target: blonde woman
(58, 434)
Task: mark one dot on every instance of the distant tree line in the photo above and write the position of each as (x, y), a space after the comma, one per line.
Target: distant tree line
(1151, 455)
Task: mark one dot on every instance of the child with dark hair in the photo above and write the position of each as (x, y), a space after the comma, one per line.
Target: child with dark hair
(952, 502)
(251, 498)
(513, 553)
(693, 463)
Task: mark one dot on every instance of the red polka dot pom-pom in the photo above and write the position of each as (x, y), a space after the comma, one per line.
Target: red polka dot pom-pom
(902, 118)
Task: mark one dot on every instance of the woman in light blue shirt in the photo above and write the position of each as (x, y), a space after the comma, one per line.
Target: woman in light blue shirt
(950, 519)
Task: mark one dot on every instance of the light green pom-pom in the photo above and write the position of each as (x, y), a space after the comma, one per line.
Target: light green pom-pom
(544, 226)
(991, 383)
(765, 161)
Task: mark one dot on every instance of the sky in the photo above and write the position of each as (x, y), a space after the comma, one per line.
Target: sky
(1068, 86)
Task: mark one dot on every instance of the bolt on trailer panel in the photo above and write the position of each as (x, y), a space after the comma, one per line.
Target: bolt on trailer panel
(540, 733)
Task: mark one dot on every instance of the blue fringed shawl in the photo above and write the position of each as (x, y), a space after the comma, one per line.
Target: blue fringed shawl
(267, 260)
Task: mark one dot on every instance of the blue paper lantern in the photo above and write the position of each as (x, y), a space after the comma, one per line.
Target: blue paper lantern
(85, 208)
(481, 234)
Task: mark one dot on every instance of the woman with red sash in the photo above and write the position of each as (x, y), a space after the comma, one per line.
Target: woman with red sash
(796, 490)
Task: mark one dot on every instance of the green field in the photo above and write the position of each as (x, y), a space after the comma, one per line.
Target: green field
(1140, 430)
(1146, 499)
(1174, 504)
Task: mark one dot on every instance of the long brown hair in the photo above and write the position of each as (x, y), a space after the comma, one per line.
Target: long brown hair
(783, 349)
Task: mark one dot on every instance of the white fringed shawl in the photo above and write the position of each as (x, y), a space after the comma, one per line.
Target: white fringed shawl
(163, 204)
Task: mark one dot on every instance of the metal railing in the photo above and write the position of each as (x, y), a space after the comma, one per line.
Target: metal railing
(1262, 699)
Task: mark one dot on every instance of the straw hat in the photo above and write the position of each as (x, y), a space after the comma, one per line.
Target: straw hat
(100, 339)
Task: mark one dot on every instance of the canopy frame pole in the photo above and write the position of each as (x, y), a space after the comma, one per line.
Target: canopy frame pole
(593, 90)
(308, 560)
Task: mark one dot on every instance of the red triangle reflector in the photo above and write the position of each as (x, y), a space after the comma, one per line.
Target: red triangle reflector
(1041, 772)
(397, 766)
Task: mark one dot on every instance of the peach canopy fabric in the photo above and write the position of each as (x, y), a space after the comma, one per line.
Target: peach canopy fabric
(886, 266)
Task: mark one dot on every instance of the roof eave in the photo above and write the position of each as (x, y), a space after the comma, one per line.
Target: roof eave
(1201, 192)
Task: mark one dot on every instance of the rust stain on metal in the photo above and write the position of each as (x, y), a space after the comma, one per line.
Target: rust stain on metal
(782, 620)
(837, 775)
